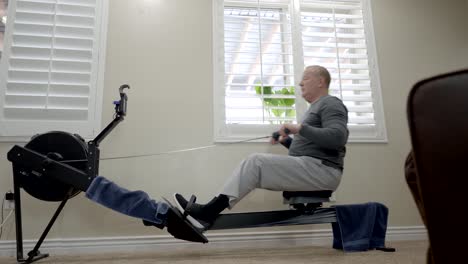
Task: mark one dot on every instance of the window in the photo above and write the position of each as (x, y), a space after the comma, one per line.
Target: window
(261, 48)
(3, 19)
(50, 68)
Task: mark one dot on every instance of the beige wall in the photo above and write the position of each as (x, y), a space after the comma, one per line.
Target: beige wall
(163, 50)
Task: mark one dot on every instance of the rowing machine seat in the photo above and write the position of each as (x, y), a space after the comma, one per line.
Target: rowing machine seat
(307, 197)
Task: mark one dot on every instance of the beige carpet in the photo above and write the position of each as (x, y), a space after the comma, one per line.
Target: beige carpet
(407, 252)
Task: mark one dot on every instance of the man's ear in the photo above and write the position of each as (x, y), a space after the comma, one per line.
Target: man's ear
(322, 82)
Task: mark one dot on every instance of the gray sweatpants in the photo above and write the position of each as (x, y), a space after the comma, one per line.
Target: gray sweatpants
(279, 173)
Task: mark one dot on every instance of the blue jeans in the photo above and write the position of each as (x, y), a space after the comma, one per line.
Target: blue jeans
(132, 203)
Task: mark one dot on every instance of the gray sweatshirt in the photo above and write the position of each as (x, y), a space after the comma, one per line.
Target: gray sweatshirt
(324, 132)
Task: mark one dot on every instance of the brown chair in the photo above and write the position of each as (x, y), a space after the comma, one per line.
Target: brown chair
(437, 168)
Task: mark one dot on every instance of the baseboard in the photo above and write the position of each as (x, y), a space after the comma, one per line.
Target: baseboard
(217, 240)
(406, 233)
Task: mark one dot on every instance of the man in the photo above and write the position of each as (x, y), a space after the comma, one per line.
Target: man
(315, 160)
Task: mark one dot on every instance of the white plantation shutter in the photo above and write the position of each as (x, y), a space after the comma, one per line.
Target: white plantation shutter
(50, 67)
(258, 64)
(267, 43)
(334, 36)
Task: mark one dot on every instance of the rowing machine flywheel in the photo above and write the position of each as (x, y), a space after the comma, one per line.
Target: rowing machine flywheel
(60, 146)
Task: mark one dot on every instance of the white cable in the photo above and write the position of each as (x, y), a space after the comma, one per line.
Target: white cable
(183, 150)
(159, 153)
(170, 152)
(6, 219)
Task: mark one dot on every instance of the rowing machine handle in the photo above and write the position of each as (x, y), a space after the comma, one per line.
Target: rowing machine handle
(121, 106)
(276, 134)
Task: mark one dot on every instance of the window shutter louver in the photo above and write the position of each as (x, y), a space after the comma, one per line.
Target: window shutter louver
(50, 69)
(258, 66)
(333, 35)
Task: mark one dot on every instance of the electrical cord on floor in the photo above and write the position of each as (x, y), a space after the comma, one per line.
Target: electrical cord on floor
(2, 222)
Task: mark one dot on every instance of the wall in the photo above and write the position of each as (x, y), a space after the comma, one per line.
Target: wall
(163, 50)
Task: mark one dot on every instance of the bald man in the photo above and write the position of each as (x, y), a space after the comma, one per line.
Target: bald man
(315, 160)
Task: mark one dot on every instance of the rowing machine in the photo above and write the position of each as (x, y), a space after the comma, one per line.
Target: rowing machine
(306, 209)
(56, 166)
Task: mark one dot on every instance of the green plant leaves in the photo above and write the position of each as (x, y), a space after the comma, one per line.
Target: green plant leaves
(278, 102)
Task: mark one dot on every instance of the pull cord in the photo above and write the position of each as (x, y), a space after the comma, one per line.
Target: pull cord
(170, 152)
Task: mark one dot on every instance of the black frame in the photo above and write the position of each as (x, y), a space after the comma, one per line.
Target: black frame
(80, 180)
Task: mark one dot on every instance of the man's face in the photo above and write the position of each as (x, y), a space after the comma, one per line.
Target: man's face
(311, 86)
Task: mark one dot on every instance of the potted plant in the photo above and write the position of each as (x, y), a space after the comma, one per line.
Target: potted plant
(271, 105)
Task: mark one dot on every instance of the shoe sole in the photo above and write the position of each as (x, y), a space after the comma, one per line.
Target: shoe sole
(192, 220)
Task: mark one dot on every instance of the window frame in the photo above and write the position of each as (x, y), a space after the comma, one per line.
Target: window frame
(235, 132)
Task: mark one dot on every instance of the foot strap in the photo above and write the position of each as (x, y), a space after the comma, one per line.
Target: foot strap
(190, 203)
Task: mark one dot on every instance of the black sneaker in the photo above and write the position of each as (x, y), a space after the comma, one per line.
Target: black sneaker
(193, 213)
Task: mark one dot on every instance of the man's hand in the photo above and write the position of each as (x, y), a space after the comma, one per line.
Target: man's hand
(292, 129)
(281, 139)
